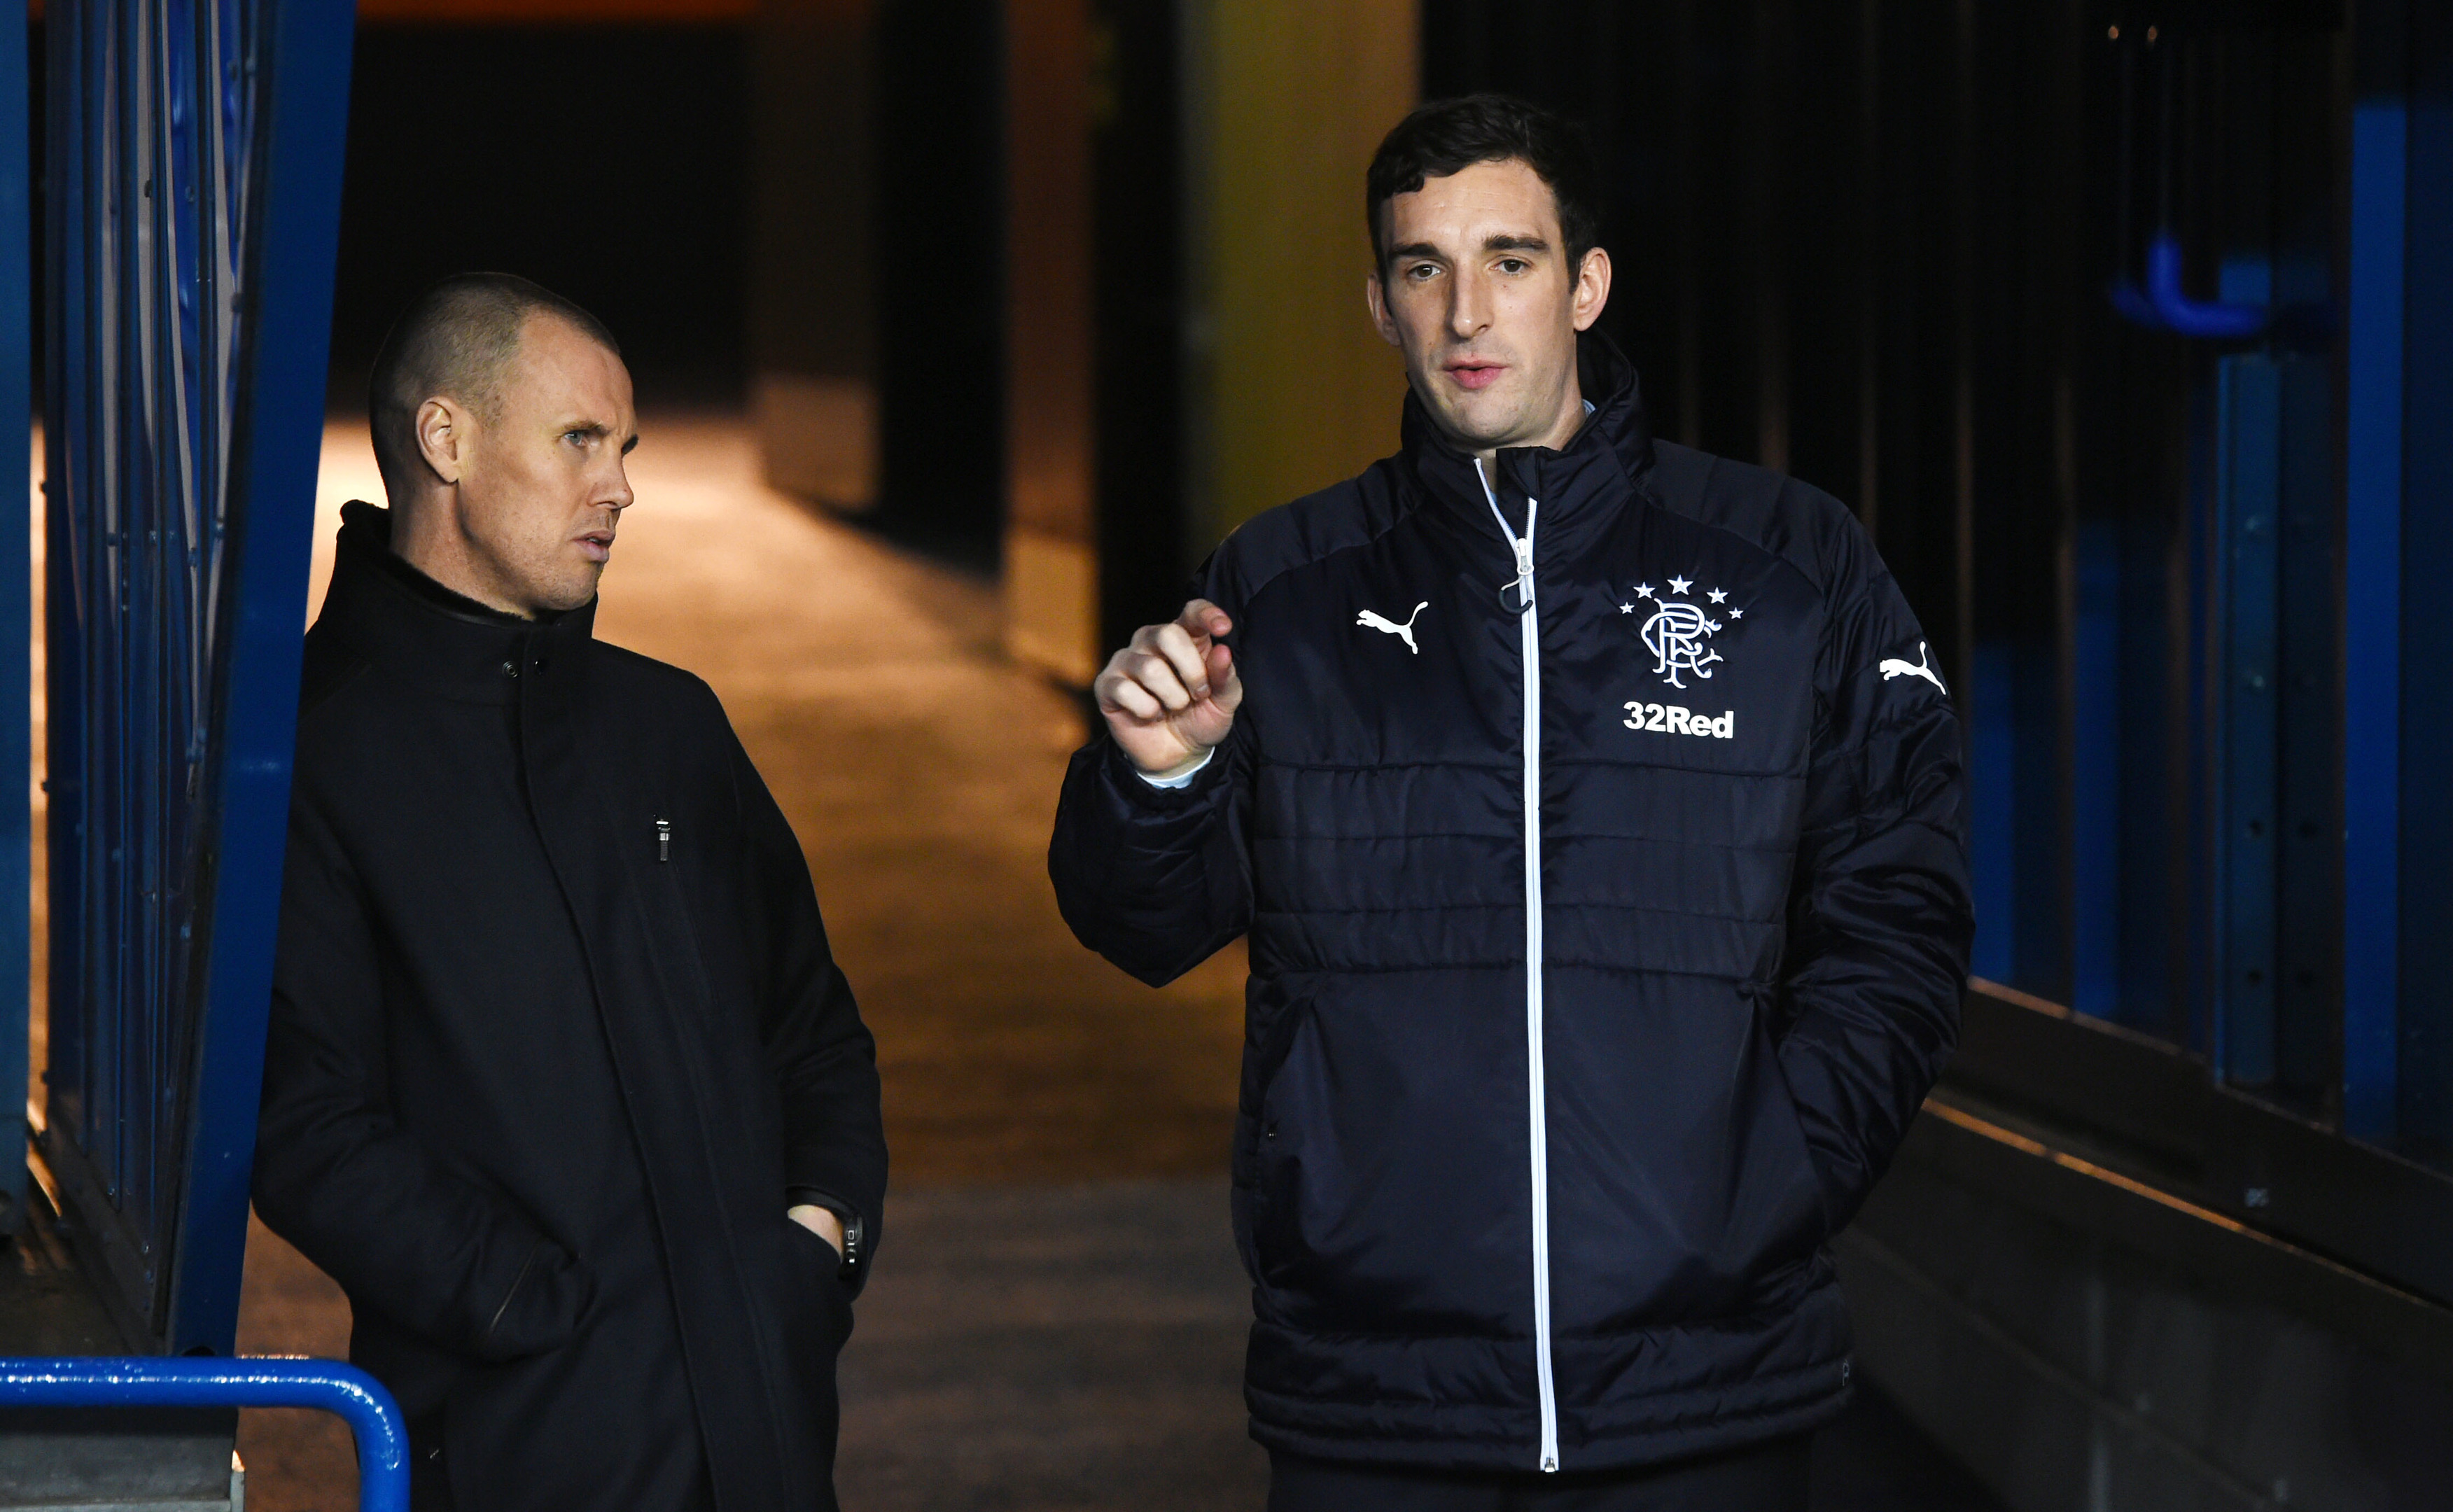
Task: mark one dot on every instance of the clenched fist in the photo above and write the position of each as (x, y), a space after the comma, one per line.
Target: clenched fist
(1171, 695)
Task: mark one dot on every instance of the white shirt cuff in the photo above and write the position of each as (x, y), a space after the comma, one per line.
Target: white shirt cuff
(1178, 779)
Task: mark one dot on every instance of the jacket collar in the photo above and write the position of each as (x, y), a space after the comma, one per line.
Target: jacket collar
(1580, 487)
(427, 635)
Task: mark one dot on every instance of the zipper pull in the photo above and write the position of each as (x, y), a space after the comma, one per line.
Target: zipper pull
(664, 840)
(1522, 587)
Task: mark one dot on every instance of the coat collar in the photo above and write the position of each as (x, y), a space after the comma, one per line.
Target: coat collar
(429, 636)
(1580, 487)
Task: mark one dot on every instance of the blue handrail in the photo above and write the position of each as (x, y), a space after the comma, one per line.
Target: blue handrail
(156, 1381)
(2163, 304)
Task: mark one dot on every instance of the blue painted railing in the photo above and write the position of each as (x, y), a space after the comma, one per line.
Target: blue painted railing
(146, 1380)
(2163, 305)
(192, 218)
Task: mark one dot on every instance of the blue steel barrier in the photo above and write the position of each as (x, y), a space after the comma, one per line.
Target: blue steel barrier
(192, 216)
(143, 1381)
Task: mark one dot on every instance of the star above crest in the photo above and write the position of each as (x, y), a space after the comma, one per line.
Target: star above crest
(1681, 585)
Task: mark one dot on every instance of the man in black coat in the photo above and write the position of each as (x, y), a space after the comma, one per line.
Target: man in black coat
(563, 1085)
(1593, 808)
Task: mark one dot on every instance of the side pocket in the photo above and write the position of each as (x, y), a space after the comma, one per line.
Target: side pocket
(1274, 1015)
(1241, 1201)
(1812, 1169)
(824, 1266)
(543, 1309)
(1763, 1002)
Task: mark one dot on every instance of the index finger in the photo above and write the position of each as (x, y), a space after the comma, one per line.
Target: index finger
(1201, 617)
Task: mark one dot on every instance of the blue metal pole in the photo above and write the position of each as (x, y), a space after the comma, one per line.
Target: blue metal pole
(328, 1385)
(278, 445)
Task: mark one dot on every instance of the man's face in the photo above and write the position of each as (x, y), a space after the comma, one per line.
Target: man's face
(1477, 291)
(542, 488)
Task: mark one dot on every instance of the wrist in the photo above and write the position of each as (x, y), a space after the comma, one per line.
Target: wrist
(819, 1221)
(1182, 770)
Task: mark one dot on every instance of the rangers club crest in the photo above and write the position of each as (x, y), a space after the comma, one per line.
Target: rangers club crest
(1679, 631)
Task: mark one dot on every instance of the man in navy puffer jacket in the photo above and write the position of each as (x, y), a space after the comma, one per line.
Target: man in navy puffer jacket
(1594, 810)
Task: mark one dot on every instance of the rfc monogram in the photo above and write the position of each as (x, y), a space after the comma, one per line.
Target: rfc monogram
(1679, 633)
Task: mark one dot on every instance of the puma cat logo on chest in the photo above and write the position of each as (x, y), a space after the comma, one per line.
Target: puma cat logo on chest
(1404, 632)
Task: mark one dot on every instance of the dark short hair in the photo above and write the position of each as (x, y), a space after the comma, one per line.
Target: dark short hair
(454, 340)
(1441, 137)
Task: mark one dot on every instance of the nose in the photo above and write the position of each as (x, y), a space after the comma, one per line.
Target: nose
(1469, 306)
(616, 494)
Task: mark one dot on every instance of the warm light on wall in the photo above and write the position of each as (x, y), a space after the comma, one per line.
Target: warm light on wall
(552, 12)
(534, 12)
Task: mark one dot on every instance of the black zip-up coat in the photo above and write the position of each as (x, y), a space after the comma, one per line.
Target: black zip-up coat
(555, 1037)
(1753, 921)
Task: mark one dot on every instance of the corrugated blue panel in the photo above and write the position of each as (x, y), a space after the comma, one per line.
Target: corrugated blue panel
(195, 165)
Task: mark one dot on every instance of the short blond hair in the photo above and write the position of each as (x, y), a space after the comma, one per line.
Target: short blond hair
(454, 342)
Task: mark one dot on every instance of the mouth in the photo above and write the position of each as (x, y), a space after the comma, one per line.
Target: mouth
(597, 545)
(1475, 373)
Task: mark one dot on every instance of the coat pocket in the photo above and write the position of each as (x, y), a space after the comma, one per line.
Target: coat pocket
(818, 1269)
(1789, 1135)
(544, 1308)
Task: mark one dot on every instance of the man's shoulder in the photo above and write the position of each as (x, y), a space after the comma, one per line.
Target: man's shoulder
(637, 685)
(329, 665)
(1802, 525)
(1316, 527)
(629, 670)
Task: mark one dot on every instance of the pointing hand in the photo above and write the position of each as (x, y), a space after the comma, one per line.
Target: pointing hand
(1171, 695)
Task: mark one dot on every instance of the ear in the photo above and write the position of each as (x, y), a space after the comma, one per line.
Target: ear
(1375, 295)
(443, 436)
(1592, 289)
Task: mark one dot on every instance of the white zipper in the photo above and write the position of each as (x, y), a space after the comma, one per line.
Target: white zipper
(1528, 623)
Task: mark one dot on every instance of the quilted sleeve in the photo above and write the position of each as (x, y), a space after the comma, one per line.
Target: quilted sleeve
(1880, 913)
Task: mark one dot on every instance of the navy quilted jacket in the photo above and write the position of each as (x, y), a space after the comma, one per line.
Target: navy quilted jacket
(1597, 827)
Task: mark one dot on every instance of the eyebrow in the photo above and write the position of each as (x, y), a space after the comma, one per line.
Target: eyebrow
(1503, 241)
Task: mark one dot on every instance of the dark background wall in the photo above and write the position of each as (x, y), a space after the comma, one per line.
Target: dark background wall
(608, 162)
(940, 274)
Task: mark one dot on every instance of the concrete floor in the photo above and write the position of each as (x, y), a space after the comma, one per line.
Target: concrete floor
(1057, 1317)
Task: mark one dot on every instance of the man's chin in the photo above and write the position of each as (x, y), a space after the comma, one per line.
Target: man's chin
(566, 597)
(1479, 426)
